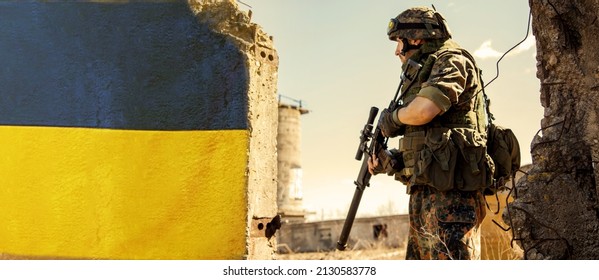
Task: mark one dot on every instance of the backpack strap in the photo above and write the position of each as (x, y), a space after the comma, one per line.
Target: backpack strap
(487, 101)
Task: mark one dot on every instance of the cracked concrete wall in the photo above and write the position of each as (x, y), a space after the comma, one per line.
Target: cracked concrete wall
(136, 130)
(556, 213)
(262, 64)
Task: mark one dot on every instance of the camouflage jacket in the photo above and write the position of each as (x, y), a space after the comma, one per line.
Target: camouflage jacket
(450, 151)
(449, 78)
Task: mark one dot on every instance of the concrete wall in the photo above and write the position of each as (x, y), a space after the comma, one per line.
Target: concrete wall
(136, 130)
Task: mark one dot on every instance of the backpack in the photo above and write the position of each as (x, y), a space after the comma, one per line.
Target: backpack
(504, 149)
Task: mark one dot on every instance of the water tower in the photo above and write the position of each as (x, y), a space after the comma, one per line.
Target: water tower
(289, 187)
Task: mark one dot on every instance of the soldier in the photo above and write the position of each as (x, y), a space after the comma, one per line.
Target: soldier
(443, 123)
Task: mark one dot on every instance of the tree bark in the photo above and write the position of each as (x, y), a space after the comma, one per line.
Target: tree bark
(555, 214)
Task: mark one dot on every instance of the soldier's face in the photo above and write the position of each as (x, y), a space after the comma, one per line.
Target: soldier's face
(408, 54)
(398, 50)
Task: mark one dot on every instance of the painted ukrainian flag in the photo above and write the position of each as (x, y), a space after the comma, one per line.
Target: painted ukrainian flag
(123, 133)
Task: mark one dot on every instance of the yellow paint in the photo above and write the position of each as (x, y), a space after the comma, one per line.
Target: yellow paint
(121, 194)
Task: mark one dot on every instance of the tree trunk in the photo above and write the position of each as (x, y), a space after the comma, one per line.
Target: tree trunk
(555, 214)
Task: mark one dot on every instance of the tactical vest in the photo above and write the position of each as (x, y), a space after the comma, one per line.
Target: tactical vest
(450, 151)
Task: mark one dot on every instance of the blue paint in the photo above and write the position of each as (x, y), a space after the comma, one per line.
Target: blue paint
(147, 66)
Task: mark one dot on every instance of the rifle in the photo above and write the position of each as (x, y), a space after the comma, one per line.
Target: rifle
(372, 142)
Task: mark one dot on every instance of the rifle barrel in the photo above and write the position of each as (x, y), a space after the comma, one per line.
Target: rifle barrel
(349, 221)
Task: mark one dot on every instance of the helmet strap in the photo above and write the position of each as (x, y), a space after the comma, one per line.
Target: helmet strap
(407, 46)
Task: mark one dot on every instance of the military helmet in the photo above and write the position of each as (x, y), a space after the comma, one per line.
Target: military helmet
(418, 23)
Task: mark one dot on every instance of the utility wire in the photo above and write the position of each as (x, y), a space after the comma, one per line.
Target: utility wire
(244, 4)
(512, 48)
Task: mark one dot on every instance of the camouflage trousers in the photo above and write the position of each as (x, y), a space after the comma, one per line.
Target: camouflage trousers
(444, 225)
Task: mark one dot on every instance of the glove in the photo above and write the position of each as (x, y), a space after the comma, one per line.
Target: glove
(390, 125)
(388, 161)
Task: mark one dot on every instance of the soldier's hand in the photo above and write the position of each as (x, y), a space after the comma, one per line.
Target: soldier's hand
(373, 163)
(385, 161)
(389, 127)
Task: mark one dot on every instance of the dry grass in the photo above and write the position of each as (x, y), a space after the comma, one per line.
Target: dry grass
(369, 254)
(495, 242)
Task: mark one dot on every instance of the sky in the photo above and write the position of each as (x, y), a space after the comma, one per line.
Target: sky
(334, 55)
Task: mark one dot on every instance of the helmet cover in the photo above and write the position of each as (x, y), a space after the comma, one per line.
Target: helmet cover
(418, 23)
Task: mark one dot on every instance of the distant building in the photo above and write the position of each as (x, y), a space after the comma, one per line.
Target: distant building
(366, 233)
(289, 186)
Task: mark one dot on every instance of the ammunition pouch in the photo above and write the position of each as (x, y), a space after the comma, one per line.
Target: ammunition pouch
(436, 161)
(409, 146)
(476, 167)
(445, 159)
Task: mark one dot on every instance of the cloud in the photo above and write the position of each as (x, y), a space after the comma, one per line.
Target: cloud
(486, 49)
(528, 44)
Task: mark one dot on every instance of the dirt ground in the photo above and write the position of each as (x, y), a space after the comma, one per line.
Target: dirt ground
(370, 254)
